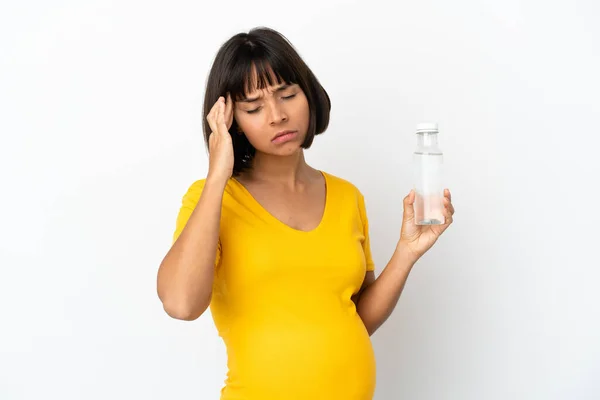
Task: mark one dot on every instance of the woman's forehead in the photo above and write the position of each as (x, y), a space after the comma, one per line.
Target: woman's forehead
(256, 82)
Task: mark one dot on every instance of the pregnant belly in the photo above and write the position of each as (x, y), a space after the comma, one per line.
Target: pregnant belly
(328, 358)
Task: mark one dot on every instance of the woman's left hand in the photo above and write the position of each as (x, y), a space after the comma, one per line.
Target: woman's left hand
(417, 239)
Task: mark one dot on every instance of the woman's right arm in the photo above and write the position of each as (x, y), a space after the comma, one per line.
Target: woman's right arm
(186, 274)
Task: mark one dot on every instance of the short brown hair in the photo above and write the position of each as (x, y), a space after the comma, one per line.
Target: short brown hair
(273, 57)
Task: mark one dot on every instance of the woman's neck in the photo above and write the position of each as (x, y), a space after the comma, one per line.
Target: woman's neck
(286, 170)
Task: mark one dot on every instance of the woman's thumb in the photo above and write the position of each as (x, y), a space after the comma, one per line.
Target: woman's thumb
(409, 209)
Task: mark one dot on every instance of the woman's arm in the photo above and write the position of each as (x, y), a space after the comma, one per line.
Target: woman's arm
(379, 297)
(186, 274)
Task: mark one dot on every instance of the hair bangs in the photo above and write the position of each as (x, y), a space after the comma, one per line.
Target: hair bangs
(258, 72)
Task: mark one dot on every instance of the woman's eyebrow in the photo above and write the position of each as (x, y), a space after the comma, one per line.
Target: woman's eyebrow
(280, 88)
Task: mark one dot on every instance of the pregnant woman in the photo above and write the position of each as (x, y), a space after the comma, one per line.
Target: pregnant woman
(277, 249)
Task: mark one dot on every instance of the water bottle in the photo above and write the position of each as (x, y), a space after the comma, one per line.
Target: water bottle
(428, 185)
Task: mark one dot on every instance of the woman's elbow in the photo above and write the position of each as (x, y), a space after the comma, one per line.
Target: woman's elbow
(183, 310)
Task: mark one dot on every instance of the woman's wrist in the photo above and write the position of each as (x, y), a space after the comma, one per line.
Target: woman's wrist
(406, 257)
(216, 181)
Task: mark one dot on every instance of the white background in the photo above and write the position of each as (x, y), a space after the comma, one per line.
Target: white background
(100, 117)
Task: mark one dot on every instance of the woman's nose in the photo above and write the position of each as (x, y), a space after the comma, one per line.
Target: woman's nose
(277, 115)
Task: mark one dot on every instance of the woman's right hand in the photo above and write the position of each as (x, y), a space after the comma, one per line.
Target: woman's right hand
(220, 146)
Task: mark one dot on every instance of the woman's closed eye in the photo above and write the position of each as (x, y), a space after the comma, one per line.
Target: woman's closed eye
(284, 98)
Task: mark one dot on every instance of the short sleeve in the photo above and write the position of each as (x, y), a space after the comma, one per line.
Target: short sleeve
(188, 204)
(365, 223)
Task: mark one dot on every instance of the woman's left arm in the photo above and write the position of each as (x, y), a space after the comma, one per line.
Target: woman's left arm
(378, 297)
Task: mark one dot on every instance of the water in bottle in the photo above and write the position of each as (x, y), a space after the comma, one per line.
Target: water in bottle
(428, 185)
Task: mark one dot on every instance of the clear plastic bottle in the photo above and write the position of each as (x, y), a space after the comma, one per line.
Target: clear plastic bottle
(428, 185)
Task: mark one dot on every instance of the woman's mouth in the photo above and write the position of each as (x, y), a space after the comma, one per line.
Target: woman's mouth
(284, 136)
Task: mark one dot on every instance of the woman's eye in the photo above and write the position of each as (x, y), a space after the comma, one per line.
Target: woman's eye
(258, 109)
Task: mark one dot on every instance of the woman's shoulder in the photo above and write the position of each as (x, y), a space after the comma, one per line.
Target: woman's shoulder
(194, 190)
(234, 190)
(342, 184)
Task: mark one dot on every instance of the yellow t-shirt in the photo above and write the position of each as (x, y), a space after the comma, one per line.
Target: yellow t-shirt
(282, 298)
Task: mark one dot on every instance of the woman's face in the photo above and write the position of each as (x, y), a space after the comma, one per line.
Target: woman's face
(274, 119)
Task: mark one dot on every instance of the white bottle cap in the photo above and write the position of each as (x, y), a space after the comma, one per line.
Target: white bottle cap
(427, 127)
